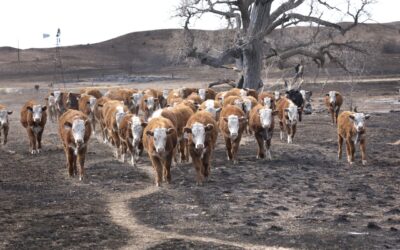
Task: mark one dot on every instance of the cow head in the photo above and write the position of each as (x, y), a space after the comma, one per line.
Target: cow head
(165, 93)
(77, 128)
(243, 92)
(211, 108)
(332, 97)
(277, 95)
(137, 129)
(266, 116)
(359, 121)
(4, 117)
(57, 95)
(51, 100)
(91, 102)
(292, 114)
(247, 105)
(202, 94)
(136, 98)
(119, 115)
(150, 102)
(198, 131)
(37, 112)
(160, 138)
(234, 125)
(267, 102)
(238, 103)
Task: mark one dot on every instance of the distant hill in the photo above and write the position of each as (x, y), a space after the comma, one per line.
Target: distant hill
(156, 52)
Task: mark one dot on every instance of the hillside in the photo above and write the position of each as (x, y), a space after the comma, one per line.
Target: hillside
(155, 52)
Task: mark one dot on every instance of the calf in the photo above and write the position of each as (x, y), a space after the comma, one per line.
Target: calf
(261, 122)
(202, 133)
(296, 97)
(4, 123)
(33, 119)
(288, 114)
(351, 127)
(232, 123)
(211, 106)
(159, 140)
(74, 129)
(333, 101)
(86, 105)
(52, 107)
(131, 133)
(148, 105)
(113, 113)
(267, 99)
(165, 94)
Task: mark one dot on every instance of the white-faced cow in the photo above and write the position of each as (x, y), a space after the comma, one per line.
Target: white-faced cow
(333, 101)
(4, 122)
(288, 114)
(33, 119)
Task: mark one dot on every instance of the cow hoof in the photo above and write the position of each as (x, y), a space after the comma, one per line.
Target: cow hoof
(351, 163)
(158, 184)
(364, 162)
(80, 178)
(33, 152)
(235, 162)
(38, 151)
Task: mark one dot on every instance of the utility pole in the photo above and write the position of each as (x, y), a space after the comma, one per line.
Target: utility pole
(58, 67)
(18, 52)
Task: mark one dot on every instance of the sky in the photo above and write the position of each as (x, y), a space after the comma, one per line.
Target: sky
(23, 22)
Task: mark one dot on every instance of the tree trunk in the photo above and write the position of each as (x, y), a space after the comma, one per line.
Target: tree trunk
(252, 65)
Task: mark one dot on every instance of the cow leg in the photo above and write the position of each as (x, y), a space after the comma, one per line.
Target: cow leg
(289, 133)
(293, 130)
(363, 153)
(228, 148)
(32, 141)
(182, 149)
(124, 149)
(167, 168)
(69, 153)
(260, 141)
(39, 140)
(282, 129)
(116, 143)
(235, 149)
(5, 135)
(207, 163)
(340, 146)
(337, 114)
(133, 152)
(158, 168)
(268, 149)
(0, 136)
(332, 111)
(81, 159)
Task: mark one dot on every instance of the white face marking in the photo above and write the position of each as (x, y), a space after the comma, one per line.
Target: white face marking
(233, 126)
(359, 121)
(180, 91)
(51, 101)
(78, 131)
(202, 94)
(267, 102)
(119, 115)
(150, 103)
(277, 95)
(198, 135)
(238, 103)
(243, 92)
(57, 94)
(137, 129)
(136, 98)
(160, 139)
(37, 113)
(3, 117)
(247, 105)
(303, 94)
(332, 96)
(265, 117)
(211, 108)
(165, 93)
(92, 102)
(293, 113)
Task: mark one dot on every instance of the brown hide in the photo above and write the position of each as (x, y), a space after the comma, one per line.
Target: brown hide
(271, 95)
(5, 127)
(34, 130)
(126, 137)
(92, 91)
(334, 110)
(284, 125)
(111, 127)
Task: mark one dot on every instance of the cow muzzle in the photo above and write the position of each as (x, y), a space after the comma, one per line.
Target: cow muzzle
(200, 146)
(160, 150)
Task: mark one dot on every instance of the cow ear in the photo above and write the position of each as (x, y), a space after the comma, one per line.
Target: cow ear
(155, 99)
(351, 117)
(144, 124)
(187, 130)
(170, 130)
(29, 109)
(275, 112)
(9, 112)
(100, 105)
(336, 94)
(67, 125)
(209, 127)
(225, 119)
(149, 133)
(367, 116)
(218, 110)
(44, 108)
(242, 119)
(286, 110)
(327, 94)
(145, 100)
(46, 99)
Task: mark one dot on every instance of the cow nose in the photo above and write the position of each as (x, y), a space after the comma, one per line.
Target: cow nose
(199, 146)
(36, 120)
(160, 150)
(234, 134)
(79, 141)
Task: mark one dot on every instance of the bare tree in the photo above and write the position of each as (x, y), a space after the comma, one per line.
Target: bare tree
(253, 22)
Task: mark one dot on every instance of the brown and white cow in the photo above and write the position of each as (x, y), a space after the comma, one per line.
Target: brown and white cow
(267, 99)
(288, 114)
(184, 92)
(113, 113)
(352, 129)
(4, 122)
(131, 134)
(33, 119)
(98, 115)
(211, 106)
(261, 122)
(52, 107)
(232, 123)
(86, 106)
(202, 133)
(206, 94)
(333, 101)
(159, 140)
(74, 130)
(220, 97)
(92, 91)
(195, 98)
(125, 95)
(148, 105)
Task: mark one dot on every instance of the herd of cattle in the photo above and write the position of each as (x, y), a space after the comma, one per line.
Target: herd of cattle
(172, 125)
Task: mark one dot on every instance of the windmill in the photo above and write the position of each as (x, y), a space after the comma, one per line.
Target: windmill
(58, 67)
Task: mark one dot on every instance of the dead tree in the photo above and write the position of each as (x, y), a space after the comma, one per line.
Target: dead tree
(255, 20)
